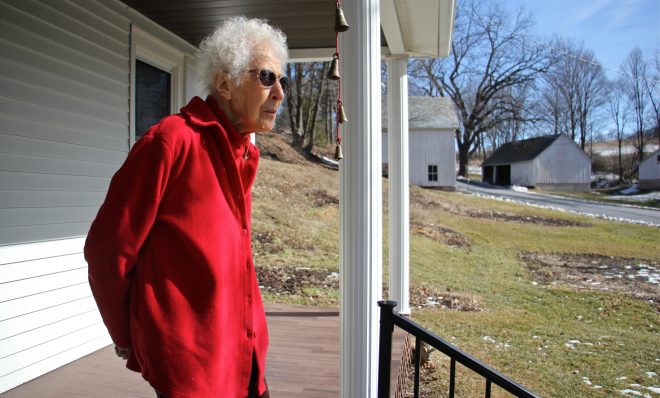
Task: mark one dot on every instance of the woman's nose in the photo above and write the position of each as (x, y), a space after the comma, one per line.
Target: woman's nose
(277, 92)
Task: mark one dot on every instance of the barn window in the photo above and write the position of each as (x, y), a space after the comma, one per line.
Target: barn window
(433, 172)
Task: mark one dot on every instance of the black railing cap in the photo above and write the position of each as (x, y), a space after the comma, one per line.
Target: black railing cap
(387, 303)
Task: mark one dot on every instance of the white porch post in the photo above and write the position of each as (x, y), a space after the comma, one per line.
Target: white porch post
(360, 200)
(398, 171)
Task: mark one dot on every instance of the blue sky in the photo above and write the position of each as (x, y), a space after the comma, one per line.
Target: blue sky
(611, 28)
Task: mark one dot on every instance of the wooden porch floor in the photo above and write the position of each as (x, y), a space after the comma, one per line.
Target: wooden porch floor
(303, 361)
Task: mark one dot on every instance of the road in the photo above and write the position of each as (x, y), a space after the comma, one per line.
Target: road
(625, 213)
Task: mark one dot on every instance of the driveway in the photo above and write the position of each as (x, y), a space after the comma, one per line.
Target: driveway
(625, 213)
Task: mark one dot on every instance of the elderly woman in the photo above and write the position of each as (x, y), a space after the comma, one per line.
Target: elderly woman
(169, 253)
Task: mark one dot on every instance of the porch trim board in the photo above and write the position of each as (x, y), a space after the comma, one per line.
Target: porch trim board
(360, 201)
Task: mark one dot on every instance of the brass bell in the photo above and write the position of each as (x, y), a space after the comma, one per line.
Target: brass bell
(333, 74)
(341, 115)
(340, 22)
(338, 153)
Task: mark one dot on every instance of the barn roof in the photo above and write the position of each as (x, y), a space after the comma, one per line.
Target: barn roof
(427, 113)
(520, 151)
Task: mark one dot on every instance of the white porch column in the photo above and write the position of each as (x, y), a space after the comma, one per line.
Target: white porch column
(399, 176)
(360, 200)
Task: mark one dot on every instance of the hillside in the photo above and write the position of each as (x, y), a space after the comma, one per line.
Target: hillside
(564, 304)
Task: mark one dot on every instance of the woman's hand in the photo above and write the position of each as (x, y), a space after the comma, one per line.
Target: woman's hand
(121, 352)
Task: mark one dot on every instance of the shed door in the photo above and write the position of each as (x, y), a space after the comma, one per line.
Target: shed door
(503, 174)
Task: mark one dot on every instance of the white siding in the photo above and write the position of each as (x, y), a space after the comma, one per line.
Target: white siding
(432, 148)
(64, 131)
(47, 315)
(524, 174)
(429, 147)
(649, 169)
(64, 118)
(563, 162)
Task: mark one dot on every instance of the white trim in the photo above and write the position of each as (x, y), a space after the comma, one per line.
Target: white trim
(161, 55)
(360, 202)
(399, 180)
(391, 27)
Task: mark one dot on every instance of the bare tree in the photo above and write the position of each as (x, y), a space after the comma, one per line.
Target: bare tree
(513, 119)
(551, 108)
(489, 56)
(617, 106)
(652, 86)
(635, 69)
(581, 82)
(309, 82)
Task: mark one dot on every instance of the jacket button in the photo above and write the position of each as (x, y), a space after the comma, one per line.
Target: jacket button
(244, 231)
(249, 299)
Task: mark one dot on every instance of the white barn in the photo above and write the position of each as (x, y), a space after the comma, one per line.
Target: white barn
(432, 149)
(649, 172)
(552, 163)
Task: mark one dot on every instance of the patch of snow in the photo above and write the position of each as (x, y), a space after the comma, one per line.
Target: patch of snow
(628, 391)
(651, 374)
(603, 216)
(476, 170)
(518, 188)
(489, 339)
(636, 198)
(328, 162)
(463, 179)
(655, 390)
(622, 378)
(629, 191)
(586, 380)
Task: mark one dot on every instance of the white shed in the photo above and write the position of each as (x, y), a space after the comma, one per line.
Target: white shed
(649, 172)
(552, 163)
(432, 149)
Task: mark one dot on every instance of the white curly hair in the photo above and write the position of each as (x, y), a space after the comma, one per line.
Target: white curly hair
(233, 45)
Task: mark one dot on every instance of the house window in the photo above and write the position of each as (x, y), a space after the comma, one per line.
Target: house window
(157, 81)
(152, 96)
(433, 172)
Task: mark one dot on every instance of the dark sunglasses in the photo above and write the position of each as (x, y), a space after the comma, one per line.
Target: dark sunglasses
(268, 79)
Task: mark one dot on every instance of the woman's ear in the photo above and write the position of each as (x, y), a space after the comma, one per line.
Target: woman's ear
(221, 86)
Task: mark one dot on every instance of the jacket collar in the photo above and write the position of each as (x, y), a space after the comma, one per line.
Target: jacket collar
(208, 114)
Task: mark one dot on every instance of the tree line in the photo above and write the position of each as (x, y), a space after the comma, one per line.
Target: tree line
(506, 86)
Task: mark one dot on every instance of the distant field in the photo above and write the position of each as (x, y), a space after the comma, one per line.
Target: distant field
(566, 305)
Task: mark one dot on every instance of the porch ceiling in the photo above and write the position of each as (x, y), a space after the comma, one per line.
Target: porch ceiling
(419, 28)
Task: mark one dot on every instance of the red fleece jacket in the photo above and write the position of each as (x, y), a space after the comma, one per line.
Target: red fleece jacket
(170, 258)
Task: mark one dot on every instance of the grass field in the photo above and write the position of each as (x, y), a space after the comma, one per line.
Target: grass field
(557, 337)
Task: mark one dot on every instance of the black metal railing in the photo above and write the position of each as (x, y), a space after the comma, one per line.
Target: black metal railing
(388, 319)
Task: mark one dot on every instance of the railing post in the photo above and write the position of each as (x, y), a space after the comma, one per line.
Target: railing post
(385, 349)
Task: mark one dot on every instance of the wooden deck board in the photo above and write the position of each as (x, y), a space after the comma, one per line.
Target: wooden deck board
(303, 361)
